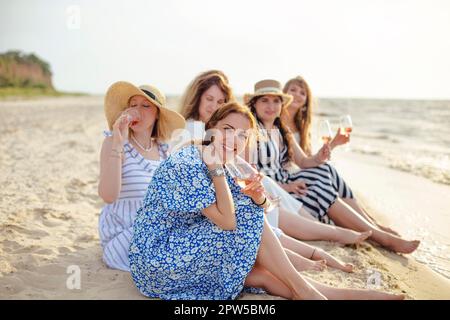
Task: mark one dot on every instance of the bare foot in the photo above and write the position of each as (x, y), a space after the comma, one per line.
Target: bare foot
(319, 265)
(347, 267)
(403, 246)
(337, 264)
(305, 264)
(332, 261)
(353, 237)
(378, 295)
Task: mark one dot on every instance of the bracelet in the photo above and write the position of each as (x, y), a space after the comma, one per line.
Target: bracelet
(261, 204)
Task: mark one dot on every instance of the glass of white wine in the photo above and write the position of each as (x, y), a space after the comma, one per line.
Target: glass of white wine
(241, 171)
(325, 133)
(346, 126)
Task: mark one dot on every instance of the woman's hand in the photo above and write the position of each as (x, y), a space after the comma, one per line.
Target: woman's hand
(212, 156)
(339, 139)
(298, 187)
(120, 128)
(254, 188)
(323, 154)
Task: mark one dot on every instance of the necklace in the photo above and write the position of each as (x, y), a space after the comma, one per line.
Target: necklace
(140, 146)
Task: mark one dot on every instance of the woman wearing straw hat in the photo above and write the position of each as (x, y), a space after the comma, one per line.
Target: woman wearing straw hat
(275, 149)
(140, 125)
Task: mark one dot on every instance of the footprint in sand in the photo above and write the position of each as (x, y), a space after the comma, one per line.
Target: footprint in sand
(68, 144)
(44, 216)
(11, 246)
(32, 234)
(86, 238)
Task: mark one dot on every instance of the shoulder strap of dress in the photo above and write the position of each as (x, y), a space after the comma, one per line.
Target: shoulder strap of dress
(163, 150)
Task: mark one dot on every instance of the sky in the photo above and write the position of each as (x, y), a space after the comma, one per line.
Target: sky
(346, 48)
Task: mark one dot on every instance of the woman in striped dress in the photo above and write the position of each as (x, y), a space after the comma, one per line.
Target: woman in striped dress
(298, 118)
(133, 149)
(314, 182)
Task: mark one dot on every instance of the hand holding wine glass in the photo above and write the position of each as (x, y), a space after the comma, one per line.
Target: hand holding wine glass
(249, 179)
(346, 126)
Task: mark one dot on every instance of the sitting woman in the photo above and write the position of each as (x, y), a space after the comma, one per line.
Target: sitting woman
(131, 152)
(298, 118)
(200, 236)
(317, 192)
(205, 94)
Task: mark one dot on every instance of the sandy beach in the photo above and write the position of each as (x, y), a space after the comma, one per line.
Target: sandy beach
(49, 208)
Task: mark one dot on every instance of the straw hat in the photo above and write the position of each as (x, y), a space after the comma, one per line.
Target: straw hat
(268, 87)
(119, 94)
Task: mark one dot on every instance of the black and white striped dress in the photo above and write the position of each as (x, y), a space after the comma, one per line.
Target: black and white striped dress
(342, 188)
(322, 183)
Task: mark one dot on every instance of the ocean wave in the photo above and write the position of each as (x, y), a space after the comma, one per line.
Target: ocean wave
(435, 169)
(367, 150)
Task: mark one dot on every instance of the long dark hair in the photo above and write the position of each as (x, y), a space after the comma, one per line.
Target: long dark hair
(285, 132)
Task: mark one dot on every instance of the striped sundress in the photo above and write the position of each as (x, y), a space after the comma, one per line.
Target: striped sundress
(342, 188)
(117, 218)
(321, 194)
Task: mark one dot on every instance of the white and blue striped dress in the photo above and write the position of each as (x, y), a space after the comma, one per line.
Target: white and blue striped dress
(117, 218)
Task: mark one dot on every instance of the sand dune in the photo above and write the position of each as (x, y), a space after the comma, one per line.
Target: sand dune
(49, 210)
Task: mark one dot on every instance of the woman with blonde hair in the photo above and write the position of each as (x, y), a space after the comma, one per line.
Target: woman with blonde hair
(298, 118)
(140, 125)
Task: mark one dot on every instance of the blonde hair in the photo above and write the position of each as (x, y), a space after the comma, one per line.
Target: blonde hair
(190, 102)
(302, 119)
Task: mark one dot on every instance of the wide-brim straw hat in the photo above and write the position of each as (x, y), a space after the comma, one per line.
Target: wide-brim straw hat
(268, 87)
(119, 94)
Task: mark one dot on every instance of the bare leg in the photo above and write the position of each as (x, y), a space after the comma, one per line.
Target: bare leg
(302, 264)
(301, 228)
(363, 212)
(261, 278)
(271, 256)
(345, 216)
(314, 253)
(304, 214)
(353, 294)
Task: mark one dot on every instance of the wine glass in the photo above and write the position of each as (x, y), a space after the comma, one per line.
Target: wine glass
(133, 117)
(325, 133)
(241, 171)
(346, 126)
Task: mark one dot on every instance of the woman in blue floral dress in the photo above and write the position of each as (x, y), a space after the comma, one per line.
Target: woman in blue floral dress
(200, 236)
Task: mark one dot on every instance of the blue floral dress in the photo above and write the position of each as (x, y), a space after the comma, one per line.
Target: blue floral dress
(178, 253)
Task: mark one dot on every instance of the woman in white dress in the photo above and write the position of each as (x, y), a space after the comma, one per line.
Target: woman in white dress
(140, 124)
